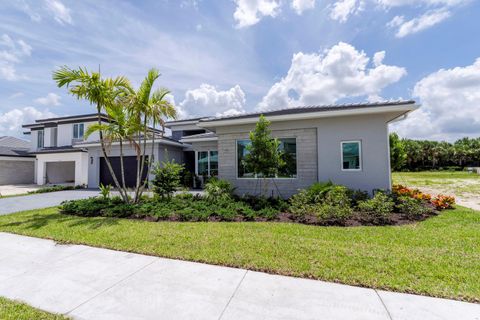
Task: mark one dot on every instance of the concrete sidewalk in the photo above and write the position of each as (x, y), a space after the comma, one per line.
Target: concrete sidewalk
(92, 283)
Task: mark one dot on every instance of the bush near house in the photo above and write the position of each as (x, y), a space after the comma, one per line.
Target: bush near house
(321, 204)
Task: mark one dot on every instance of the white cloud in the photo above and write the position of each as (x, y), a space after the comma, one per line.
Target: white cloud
(341, 71)
(25, 7)
(207, 100)
(343, 9)
(301, 5)
(16, 95)
(50, 99)
(11, 121)
(450, 109)
(60, 12)
(11, 53)
(420, 23)
(249, 12)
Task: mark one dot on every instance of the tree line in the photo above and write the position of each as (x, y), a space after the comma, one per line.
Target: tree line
(408, 154)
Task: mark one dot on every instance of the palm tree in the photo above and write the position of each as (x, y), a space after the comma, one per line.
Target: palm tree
(148, 107)
(100, 92)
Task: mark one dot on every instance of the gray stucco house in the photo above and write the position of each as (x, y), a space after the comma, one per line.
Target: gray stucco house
(347, 144)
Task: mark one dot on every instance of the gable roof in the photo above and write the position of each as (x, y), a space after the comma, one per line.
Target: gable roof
(7, 141)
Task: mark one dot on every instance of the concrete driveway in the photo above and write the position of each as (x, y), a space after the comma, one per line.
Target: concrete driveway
(92, 283)
(42, 200)
(15, 189)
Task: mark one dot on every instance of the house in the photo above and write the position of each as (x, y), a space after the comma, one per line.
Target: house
(16, 164)
(347, 144)
(64, 155)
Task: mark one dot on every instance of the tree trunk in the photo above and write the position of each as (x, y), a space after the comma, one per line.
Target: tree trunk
(150, 163)
(142, 162)
(107, 160)
(122, 168)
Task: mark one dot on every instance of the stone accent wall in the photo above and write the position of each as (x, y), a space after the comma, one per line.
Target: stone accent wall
(307, 170)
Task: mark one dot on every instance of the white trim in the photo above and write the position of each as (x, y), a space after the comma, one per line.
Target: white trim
(359, 155)
(256, 178)
(15, 158)
(199, 139)
(310, 115)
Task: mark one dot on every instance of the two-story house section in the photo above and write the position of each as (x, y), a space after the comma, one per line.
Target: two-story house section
(65, 155)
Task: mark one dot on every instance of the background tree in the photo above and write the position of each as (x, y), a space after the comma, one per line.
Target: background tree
(398, 155)
(264, 158)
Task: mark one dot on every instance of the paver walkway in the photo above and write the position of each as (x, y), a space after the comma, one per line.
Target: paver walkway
(92, 283)
(42, 200)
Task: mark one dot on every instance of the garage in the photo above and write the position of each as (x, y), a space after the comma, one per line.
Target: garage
(16, 164)
(60, 172)
(130, 164)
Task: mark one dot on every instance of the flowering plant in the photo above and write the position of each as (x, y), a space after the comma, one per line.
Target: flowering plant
(440, 202)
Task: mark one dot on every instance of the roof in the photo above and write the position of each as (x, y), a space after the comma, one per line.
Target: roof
(14, 142)
(314, 108)
(72, 119)
(184, 121)
(64, 149)
(14, 152)
(208, 136)
(158, 139)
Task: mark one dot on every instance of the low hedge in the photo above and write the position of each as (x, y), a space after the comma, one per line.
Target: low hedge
(321, 204)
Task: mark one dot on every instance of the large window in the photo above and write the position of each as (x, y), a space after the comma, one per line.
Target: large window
(78, 131)
(288, 149)
(207, 163)
(40, 138)
(351, 156)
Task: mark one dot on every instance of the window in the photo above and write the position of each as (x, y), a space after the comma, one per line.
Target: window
(40, 135)
(54, 133)
(207, 163)
(78, 131)
(351, 155)
(288, 149)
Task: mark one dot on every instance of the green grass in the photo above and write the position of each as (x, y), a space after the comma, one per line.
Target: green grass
(13, 310)
(437, 257)
(457, 182)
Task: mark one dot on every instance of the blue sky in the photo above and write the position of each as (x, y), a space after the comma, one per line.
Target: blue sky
(227, 57)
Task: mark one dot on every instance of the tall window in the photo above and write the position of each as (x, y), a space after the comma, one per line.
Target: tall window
(351, 156)
(78, 131)
(40, 135)
(207, 163)
(54, 133)
(288, 149)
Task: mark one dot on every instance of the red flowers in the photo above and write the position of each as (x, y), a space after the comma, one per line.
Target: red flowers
(440, 202)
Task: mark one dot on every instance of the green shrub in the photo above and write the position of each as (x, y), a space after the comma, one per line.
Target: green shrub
(333, 214)
(317, 191)
(121, 210)
(358, 196)
(378, 209)
(90, 207)
(412, 208)
(268, 213)
(300, 204)
(105, 190)
(167, 178)
(217, 189)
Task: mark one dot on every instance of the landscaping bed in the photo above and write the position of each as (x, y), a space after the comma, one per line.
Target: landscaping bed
(321, 204)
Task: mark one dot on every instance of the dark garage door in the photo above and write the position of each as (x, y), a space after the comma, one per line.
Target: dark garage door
(130, 164)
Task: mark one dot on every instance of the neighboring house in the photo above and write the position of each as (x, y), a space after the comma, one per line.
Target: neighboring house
(347, 144)
(64, 155)
(16, 164)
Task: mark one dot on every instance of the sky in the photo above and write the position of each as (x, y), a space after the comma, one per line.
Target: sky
(234, 56)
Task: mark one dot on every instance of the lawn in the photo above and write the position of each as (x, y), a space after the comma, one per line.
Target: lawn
(437, 257)
(13, 310)
(455, 182)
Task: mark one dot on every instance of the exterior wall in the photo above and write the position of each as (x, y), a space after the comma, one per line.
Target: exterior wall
(161, 152)
(33, 140)
(65, 134)
(16, 170)
(318, 153)
(81, 165)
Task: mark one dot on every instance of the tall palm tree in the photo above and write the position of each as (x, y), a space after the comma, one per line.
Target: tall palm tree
(100, 92)
(148, 107)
